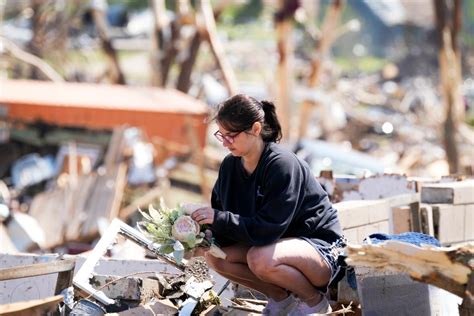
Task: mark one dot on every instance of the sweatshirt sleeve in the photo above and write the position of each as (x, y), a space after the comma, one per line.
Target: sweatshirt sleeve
(216, 203)
(279, 197)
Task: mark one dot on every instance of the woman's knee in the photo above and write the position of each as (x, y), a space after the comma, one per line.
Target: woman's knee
(260, 261)
(216, 264)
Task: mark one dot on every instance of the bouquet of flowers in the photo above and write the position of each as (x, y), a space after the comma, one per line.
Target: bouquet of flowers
(176, 231)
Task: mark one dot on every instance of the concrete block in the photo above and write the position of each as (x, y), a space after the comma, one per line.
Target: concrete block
(426, 215)
(449, 223)
(364, 231)
(379, 213)
(403, 199)
(398, 294)
(469, 223)
(346, 294)
(384, 227)
(361, 212)
(461, 192)
(385, 185)
(351, 235)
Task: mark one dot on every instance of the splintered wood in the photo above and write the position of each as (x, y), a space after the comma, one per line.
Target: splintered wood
(447, 268)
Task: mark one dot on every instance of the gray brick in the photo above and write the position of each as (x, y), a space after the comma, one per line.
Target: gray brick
(397, 294)
(461, 192)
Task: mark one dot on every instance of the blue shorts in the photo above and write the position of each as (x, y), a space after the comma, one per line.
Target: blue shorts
(330, 254)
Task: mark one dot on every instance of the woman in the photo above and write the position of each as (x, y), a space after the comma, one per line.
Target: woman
(269, 214)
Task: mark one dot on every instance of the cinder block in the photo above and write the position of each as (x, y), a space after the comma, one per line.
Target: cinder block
(384, 227)
(385, 185)
(351, 235)
(426, 214)
(469, 223)
(379, 213)
(346, 294)
(403, 199)
(398, 294)
(364, 231)
(361, 212)
(461, 192)
(450, 223)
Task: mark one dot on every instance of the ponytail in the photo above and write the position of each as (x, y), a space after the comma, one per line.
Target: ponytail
(271, 131)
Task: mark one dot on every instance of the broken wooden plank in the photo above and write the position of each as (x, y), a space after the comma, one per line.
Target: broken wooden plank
(104, 200)
(38, 307)
(76, 207)
(36, 269)
(114, 154)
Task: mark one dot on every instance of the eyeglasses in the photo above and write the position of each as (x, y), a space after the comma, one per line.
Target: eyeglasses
(229, 138)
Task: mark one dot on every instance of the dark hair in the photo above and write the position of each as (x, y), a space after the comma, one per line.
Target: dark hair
(239, 112)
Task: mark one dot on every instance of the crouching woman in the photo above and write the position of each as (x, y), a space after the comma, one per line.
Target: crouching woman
(269, 214)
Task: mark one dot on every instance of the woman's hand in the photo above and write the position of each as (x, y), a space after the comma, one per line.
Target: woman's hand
(200, 251)
(203, 215)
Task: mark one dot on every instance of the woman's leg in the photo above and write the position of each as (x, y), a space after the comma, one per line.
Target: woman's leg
(235, 268)
(293, 264)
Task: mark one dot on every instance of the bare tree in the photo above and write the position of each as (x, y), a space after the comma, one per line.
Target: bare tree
(217, 49)
(39, 64)
(184, 16)
(327, 37)
(205, 30)
(98, 14)
(158, 9)
(184, 79)
(448, 23)
(284, 26)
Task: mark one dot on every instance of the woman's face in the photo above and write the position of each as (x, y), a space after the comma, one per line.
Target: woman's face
(238, 143)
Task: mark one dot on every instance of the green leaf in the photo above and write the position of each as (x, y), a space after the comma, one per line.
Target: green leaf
(145, 215)
(166, 249)
(155, 215)
(163, 206)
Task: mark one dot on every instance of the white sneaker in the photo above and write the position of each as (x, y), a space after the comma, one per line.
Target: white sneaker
(302, 308)
(274, 308)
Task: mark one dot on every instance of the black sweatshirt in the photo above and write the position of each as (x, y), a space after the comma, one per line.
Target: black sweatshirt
(281, 198)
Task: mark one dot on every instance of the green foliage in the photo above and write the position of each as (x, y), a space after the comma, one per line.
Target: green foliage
(250, 11)
(468, 23)
(367, 64)
(132, 4)
(470, 120)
